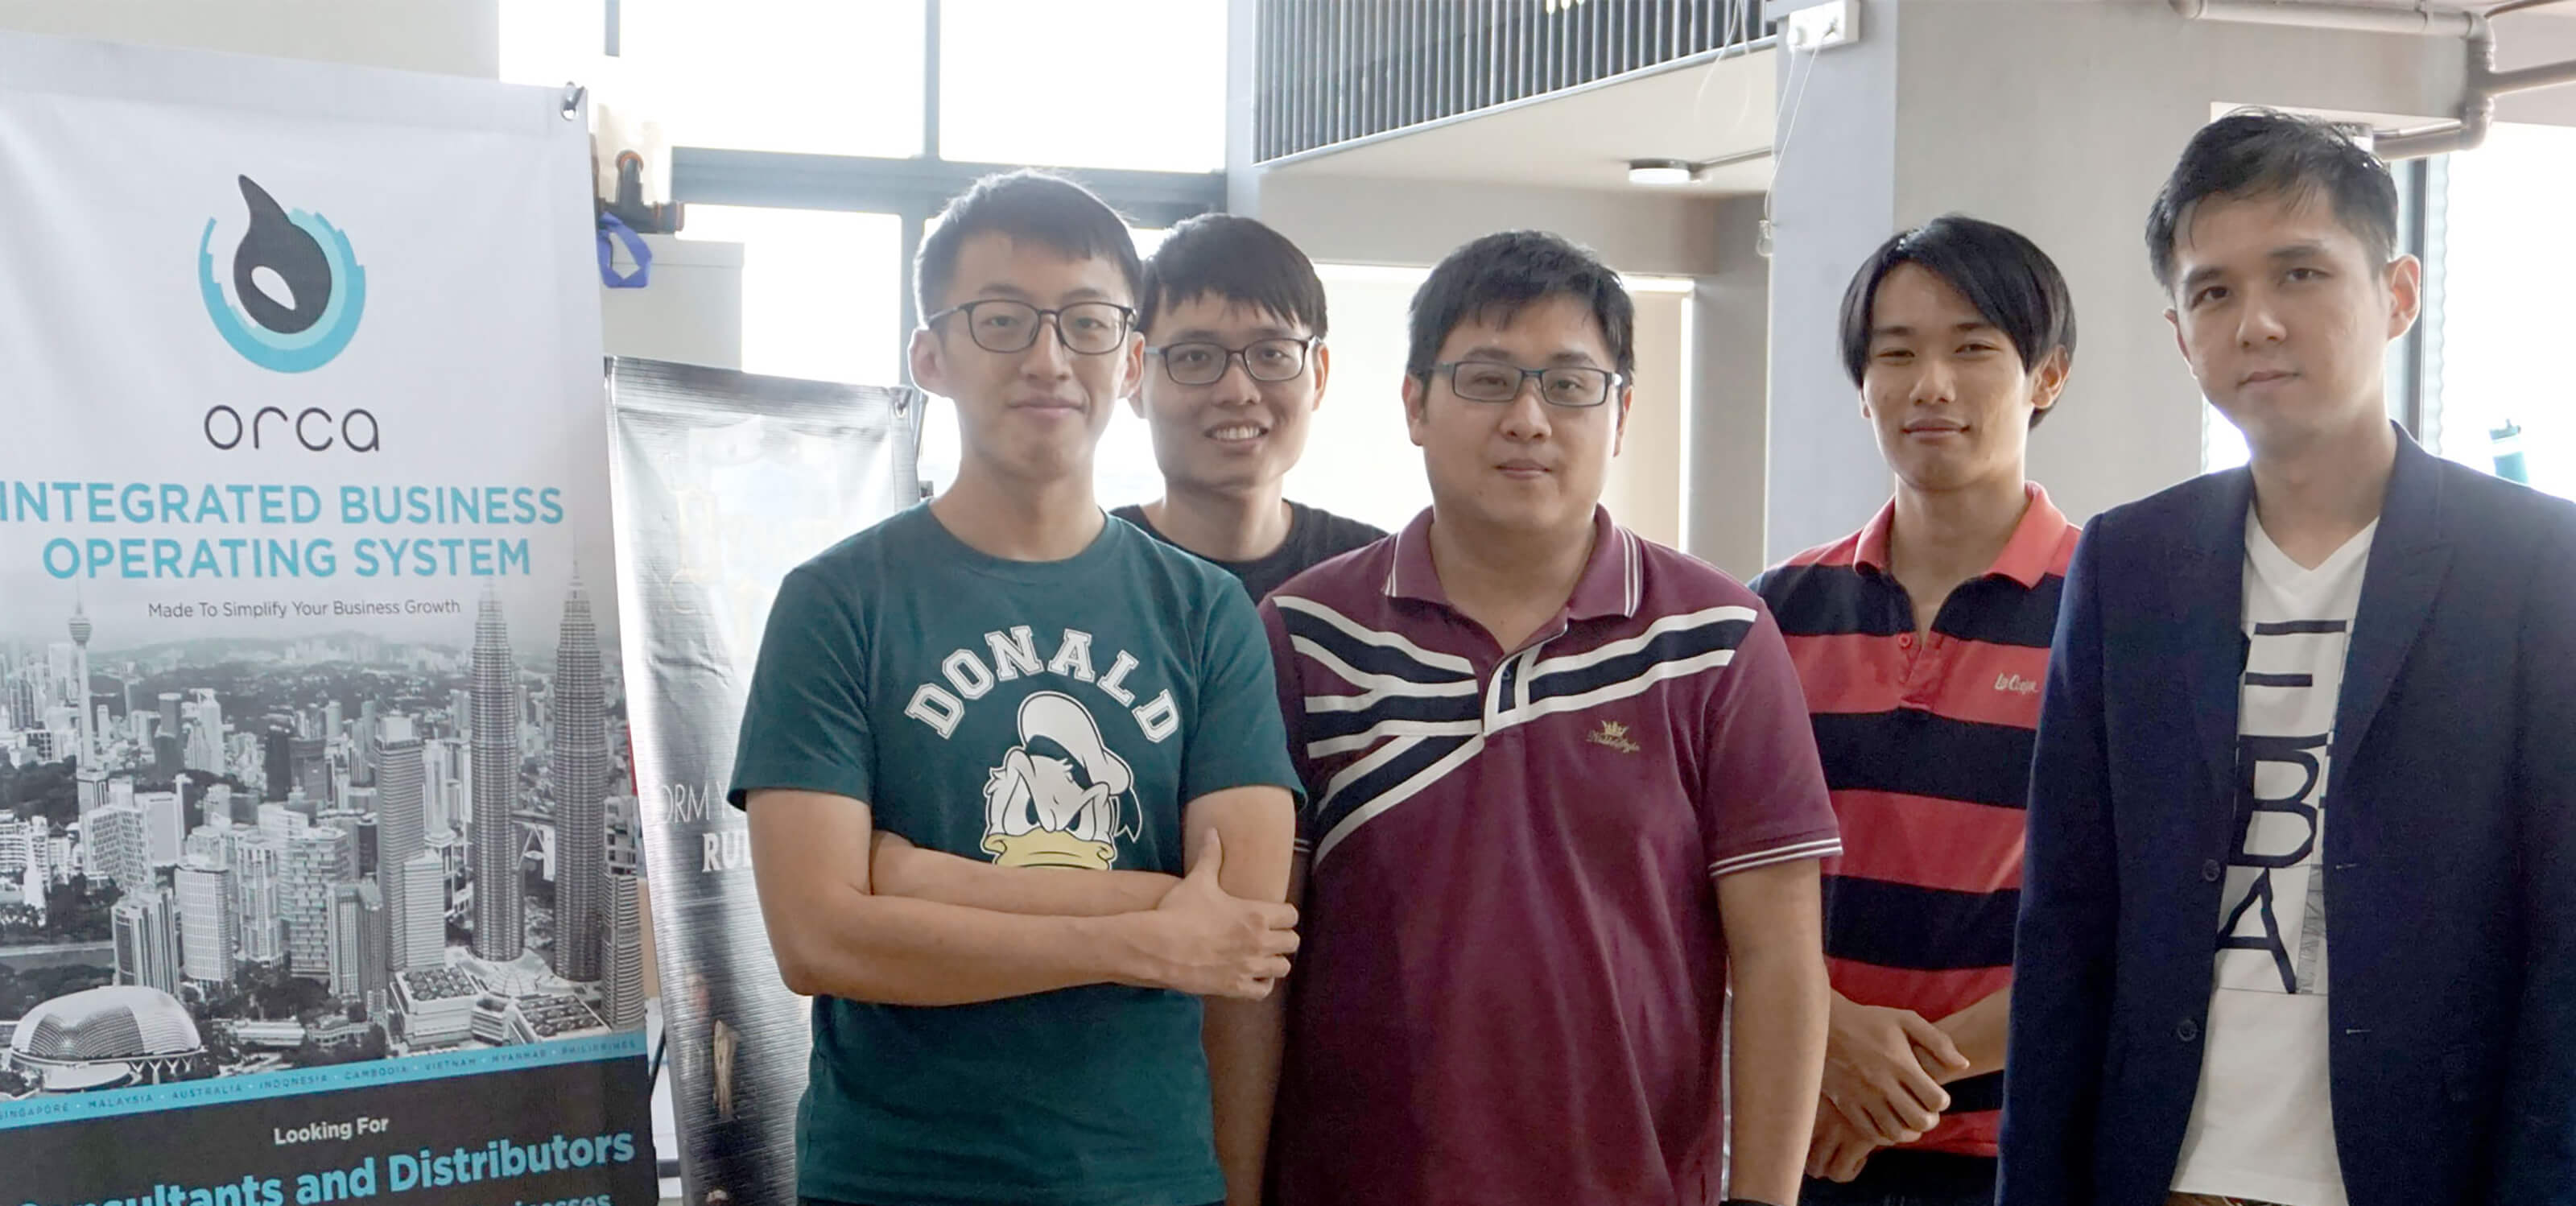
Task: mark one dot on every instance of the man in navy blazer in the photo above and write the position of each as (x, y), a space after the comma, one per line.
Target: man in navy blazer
(2298, 922)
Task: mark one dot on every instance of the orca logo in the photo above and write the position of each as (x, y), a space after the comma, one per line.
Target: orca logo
(308, 260)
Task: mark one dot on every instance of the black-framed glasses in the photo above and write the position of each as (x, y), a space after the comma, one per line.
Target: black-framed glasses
(997, 324)
(1570, 386)
(1198, 363)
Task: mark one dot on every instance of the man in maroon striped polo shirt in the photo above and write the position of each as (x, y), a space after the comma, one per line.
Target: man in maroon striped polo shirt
(1563, 789)
(1923, 640)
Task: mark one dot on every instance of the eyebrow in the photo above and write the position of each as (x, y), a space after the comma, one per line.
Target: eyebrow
(2309, 249)
(1002, 289)
(1571, 356)
(1205, 335)
(1901, 330)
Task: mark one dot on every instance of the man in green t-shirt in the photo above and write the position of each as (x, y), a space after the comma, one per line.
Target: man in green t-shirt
(1018, 787)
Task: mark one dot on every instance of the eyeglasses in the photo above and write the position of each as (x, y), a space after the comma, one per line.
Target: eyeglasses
(1567, 386)
(1092, 328)
(1205, 363)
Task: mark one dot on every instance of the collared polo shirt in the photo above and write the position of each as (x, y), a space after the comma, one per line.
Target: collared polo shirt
(1926, 744)
(1513, 970)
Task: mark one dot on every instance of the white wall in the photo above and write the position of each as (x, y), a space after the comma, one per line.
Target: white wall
(455, 37)
(1727, 460)
(1644, 488)
(1369, 221)
(690, 309)
(1834, 197)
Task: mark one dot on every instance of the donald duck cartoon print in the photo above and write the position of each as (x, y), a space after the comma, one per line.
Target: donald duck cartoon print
(1060, 798)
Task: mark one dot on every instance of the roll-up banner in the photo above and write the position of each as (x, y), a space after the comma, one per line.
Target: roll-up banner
(317, 841)
(725, 481)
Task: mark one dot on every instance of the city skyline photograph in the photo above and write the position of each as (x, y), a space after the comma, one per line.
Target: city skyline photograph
(229, 855)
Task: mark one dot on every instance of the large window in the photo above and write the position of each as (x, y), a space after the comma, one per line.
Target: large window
(814, 297)
(763, 75)
(779, 75)
(1156, 102)
(2497, 385)
(850, 78)
(814, 134)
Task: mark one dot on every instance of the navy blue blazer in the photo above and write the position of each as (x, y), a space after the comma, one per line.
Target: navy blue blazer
(2450, 843)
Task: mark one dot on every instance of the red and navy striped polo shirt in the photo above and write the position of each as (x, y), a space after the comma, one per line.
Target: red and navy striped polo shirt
(1510, 987)
(1926, 745)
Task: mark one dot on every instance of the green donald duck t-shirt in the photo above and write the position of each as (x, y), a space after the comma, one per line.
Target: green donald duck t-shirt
(1035, 714)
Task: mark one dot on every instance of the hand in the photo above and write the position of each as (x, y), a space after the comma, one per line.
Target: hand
(1875, 1070)
(1838, 1150)
(1203, 942)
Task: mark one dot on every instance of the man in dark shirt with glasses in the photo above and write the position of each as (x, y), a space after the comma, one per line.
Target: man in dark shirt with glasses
(1017, 792)
(1233, 317)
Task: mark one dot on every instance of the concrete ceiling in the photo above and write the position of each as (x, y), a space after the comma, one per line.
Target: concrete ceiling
(1584, 138)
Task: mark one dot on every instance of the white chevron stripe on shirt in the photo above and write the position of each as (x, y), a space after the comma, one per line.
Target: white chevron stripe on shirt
(1397, 794)
(1628, 645)
(1385, 640)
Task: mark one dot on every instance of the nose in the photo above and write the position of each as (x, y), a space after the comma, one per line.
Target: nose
(1048, 358)
(1525, 418)
(1934, 383)
(1236, 386)
(2258, 321)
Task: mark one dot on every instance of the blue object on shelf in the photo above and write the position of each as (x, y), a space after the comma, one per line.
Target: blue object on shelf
(2506, 445)
(608, 275)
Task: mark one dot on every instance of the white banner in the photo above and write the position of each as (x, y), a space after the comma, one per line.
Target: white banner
(315, 818)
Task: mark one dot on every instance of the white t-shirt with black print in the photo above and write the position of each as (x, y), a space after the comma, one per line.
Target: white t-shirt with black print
(2262, 1126)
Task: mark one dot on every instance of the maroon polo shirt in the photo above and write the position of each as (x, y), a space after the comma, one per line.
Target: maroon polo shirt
(1513, 967)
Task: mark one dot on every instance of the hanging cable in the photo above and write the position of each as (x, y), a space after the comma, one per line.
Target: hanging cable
(1780, 155)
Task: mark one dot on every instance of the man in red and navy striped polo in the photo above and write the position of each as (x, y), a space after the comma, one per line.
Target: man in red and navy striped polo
(1563, 793)
(1923, 640)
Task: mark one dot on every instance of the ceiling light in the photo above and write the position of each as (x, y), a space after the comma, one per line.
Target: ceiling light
(1659, 171)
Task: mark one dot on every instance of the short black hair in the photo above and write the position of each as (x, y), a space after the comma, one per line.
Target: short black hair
(1492, 278)
(2011, 282)
(2265, 152)
(1025, 206)
(1235, 259)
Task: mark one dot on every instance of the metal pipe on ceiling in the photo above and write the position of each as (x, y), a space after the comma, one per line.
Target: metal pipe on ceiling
(2422, 18)
(2483, 82)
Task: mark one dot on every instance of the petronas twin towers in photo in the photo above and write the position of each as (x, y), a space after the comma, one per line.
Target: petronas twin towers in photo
(579, 766)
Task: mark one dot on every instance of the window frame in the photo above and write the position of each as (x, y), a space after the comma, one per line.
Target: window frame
(914, 189)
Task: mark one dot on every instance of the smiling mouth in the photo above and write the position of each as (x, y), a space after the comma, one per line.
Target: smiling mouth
(1237, 433)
